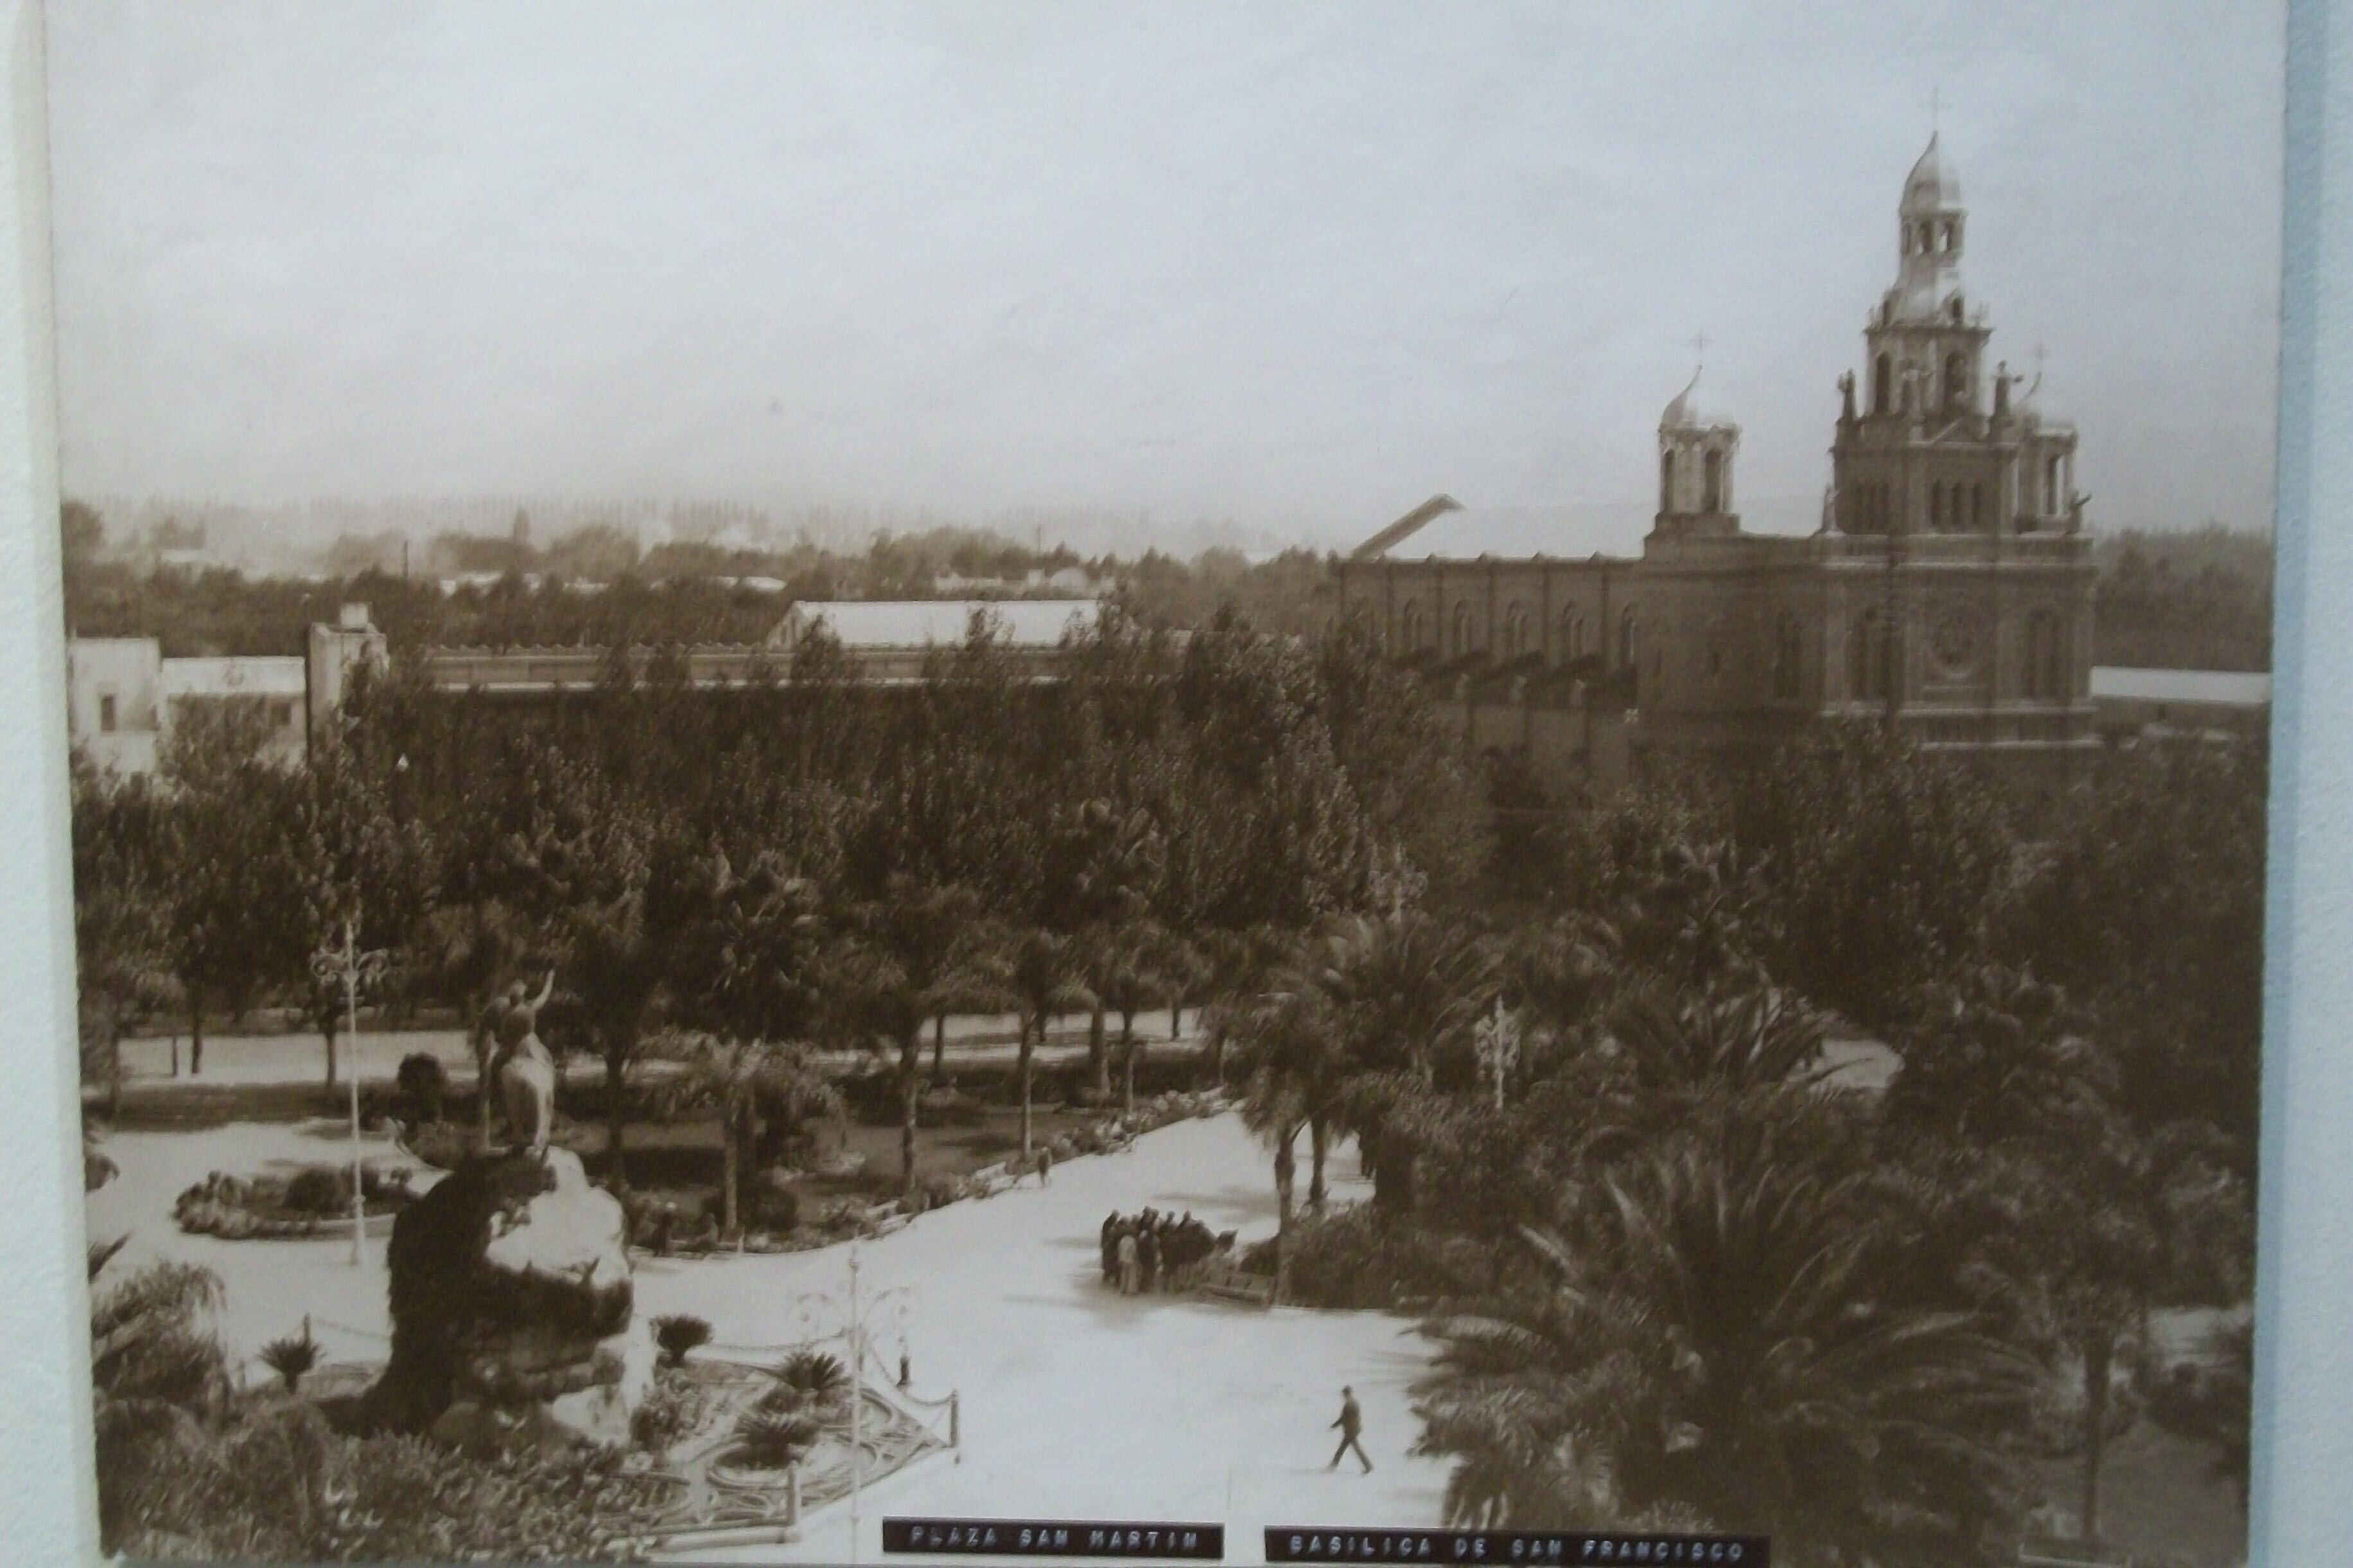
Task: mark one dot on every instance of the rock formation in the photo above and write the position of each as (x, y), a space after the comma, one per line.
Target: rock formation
(511, 1310)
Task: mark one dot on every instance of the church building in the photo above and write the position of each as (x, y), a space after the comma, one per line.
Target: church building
(1948, 592)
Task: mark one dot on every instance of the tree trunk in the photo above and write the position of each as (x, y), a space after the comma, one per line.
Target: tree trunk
(1286, 1167)
(939, 1048)
(911, 1068)
(1319, 1136)
(328, 1034)
(730, 1136)
(1176, 1018)
(2099, 1357)
(1129, 1046)
(195, 1040)
(1098, 1057)
(1027, 1057)
(115, 1071)
(480, 1043)
(616, 1069)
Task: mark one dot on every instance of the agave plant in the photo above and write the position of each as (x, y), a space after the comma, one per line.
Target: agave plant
(813, 1373)
(771, 1439)
(677, 1333)
(292, 1355)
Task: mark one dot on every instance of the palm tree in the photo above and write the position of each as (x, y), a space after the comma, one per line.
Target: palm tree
(1127, 979)
(156, 1373)
(1407, 984)
(1296, 1058)
(1707, 1339)
(1041, 974)
(1752, 1038)
(899, 967)
(1237, 966)
(619, 961)
(747, 1081)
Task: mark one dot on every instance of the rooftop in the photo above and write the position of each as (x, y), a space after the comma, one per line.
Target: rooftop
(923, 623)
(2206, 688)
(1569, 532)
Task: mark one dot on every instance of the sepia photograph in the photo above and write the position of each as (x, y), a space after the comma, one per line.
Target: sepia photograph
(861, 782)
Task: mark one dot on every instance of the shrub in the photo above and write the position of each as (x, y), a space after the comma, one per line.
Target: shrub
(423, 1081)
(672, 1407)
(277, 1483)
(771, 1205)
(1350, 1258)
(677, 1333)
(318, 1190)
(292, 1355)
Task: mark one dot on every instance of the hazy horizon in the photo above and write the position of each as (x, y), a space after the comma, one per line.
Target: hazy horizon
(1271, 270)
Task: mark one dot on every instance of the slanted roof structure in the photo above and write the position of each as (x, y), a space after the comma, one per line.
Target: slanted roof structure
(938, 623)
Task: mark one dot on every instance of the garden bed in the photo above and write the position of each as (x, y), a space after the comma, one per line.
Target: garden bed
(315, 1201)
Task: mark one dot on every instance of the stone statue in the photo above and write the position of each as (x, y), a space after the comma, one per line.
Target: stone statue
(522, 1069)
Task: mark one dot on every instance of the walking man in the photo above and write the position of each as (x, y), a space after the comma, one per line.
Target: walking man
(1045, 1166)
(1352, 1426)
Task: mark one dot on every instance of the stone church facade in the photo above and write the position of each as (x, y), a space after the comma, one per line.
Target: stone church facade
(1947, 593)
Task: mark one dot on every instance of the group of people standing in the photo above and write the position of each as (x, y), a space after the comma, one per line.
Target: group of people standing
(1154, 1251)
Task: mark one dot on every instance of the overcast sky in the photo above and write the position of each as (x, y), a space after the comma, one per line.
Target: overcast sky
(1300, 265)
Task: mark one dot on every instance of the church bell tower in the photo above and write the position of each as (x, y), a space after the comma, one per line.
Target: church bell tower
(1695, 452)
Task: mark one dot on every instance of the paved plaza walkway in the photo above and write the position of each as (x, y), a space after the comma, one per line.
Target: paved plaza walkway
(1076, 1403)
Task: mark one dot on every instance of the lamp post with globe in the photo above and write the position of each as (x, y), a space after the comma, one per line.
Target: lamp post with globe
(354, 968)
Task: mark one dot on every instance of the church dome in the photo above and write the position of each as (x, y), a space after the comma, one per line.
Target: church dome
(1931, 185)
(1685, 413)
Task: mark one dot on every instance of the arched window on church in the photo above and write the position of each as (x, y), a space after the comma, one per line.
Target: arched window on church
(1572, 635)
(1883, 384)
(1936, 506)
(1976, 505)
(1956, 310)
(1626, 639)
(1666, 481)
(1515, 630)
(1711, 497)
(1461, 645)
(1952, 235)
(1956, 378)
(1409, 627)
(2050, 497)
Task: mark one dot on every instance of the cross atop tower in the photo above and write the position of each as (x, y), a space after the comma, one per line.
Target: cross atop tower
(1699, 347)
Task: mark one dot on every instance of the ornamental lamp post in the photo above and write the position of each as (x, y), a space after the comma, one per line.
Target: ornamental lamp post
(1498, 1041)
(855, 1333)
(346, 964)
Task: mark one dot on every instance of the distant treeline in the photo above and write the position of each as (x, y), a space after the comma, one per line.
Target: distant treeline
(2196, 600)
(594, 587)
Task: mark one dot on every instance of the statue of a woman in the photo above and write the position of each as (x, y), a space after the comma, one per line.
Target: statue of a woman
(524, 1070)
